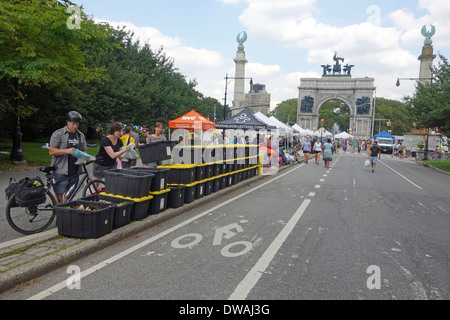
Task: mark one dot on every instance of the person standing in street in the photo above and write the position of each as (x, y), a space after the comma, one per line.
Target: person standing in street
(306, 148)
(63, 143)
(374, 154)
(327, 149)
(317, 150)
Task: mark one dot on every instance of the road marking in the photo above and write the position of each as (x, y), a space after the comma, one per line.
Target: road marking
(59, 286)
(317, 186)
(402, 176)
(312, 194)
(322, 180)
(251, 279)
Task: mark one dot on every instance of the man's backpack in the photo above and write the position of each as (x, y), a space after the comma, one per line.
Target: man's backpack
(28, 191)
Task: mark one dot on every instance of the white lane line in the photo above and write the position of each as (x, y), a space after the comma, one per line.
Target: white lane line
(312, 194)
(63, 284)
(402, 176)
(317, 186)
(251, 279)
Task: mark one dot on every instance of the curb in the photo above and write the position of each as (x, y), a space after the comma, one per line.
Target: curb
(47, 264)
(432, 167)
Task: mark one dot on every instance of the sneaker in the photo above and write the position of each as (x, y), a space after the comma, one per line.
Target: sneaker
(373, 170)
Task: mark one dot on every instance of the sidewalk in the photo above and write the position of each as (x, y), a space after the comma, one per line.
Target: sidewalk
(25, 261)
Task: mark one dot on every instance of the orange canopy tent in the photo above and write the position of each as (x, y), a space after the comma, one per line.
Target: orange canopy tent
(192, 121)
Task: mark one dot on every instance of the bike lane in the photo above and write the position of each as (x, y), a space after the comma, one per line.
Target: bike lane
(203, 254)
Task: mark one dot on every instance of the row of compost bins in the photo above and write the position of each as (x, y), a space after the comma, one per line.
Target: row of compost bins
(134, 194)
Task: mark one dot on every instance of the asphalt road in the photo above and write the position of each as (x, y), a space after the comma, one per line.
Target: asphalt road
(306, 233)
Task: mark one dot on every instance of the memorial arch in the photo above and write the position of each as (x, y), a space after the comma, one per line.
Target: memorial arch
(357, 93)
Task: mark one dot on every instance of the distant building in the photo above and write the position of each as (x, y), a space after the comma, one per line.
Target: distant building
(258, 99)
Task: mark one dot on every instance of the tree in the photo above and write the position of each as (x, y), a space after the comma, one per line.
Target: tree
(286, 111)
(335, 112)
(430, 105)
(37, 49)
(397, 111)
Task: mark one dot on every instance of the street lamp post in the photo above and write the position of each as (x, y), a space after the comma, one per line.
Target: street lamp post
(226, 92)
(425, 156)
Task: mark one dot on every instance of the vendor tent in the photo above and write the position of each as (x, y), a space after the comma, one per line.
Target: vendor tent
(243, 120)
(343, 135)
(384, 134)
(299, 129)
(192, 121)
(286, 128)
(322, 132)
(269, 122)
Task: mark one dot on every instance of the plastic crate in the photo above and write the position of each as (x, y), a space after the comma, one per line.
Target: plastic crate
(223, 181)
(176, 196)
(153, 152)
(208, 187)
(159, 181)
(200, 190)
(122, 213)
(140, 207)
(199, 173)
(84, 224)
(180, 173)
(209, 170)
(216, 184)
(128, 183)
(159, 202)
(189, 192)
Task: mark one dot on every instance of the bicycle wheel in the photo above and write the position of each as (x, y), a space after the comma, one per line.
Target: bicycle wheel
(94, 187)
(32, 219)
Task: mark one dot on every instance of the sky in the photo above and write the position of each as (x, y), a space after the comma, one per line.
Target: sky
(287, 39)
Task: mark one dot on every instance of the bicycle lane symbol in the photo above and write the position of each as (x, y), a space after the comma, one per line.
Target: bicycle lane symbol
(231, 250)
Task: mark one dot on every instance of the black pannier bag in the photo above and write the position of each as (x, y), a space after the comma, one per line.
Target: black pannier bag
(29, 192)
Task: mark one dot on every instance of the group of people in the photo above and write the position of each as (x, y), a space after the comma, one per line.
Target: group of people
(316, 147)
(117, 149)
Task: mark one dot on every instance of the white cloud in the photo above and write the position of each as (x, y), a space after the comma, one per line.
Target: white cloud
(376, 50)
(200, 64)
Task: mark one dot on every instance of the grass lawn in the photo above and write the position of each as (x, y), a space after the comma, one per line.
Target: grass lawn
(443, 165)
(34, 155)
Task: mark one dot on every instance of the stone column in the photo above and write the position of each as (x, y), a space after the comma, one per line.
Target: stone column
(426, 64)
(239, 83)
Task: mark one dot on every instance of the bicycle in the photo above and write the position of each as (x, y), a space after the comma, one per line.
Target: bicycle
(35, 219)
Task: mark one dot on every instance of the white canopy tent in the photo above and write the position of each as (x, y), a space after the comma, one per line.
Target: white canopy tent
(282, 125)
(261, 117)
(302, 131)
(343, 135)
(322, 132)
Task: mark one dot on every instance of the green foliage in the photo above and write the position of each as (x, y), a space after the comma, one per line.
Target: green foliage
(398, 112)
(100, 71)
(286, 111)
(335, 111)
(430, 105)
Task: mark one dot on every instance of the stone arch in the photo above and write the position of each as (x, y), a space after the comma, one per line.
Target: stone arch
(315, 92)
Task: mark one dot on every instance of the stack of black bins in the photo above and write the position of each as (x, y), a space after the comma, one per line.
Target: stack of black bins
(127, 184)
(158, 188)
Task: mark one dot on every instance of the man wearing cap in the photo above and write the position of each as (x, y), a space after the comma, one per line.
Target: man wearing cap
(63, 143)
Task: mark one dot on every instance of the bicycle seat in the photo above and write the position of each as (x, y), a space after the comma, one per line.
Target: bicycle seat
(48, 169)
